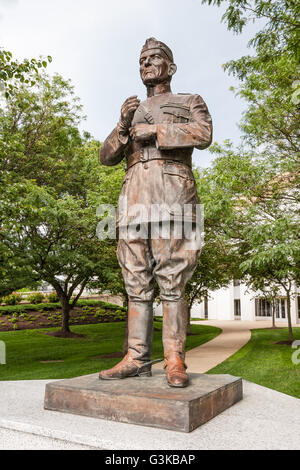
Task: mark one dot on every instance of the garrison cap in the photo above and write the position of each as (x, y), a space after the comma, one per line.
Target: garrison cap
(153, 43)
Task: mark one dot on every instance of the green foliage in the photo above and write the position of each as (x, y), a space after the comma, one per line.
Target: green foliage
(257, 184)
(12, 299)
(87, 305)
(280, 31)
(36, 298)
(28, 307)
(52, 298)
(13, 319)
(13, 72)
(108, 313)
(52, 186)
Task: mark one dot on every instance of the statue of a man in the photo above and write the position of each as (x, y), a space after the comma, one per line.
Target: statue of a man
(157, 138)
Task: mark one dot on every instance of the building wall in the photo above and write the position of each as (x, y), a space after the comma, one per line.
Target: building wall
(221, 305)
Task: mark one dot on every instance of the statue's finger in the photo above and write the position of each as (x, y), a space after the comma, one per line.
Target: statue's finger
(131, 98)
(132, 108)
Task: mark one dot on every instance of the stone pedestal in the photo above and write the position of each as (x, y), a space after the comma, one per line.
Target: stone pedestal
(147, 401)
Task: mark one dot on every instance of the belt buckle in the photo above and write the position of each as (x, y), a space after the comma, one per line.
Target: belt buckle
(144, 159)
(142, 156)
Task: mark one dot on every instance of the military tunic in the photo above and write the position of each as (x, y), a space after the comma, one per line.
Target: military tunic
(159, 173)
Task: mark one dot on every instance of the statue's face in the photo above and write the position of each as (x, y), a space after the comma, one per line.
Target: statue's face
(154, 67)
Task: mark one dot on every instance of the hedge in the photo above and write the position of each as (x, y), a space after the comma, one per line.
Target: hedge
(8, 309)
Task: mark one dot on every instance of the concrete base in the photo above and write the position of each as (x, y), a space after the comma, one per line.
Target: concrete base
(148, 401)
(264, 419)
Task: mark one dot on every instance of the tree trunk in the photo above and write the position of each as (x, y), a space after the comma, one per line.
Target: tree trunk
(188, 321)
(65, 308)
(288, 299)
(125, 341)
(273, 313)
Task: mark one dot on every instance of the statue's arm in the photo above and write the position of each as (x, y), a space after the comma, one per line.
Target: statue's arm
(196, 133)
(112, 150)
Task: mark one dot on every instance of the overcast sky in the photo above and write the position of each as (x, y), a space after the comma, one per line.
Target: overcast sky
(97, 43)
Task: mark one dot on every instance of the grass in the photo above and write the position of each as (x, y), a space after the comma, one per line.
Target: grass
(264, 363)
(26, 348)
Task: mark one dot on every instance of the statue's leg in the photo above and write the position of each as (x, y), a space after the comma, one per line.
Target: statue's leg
(136, 262)
(175, 265)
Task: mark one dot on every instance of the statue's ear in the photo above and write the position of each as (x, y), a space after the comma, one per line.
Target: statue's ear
(172, 69)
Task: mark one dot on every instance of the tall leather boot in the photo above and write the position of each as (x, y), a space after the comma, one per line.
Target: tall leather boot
(140, 332)
(174, 337)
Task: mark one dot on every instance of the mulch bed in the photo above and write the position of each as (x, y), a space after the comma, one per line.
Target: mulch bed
(288, 342)
(38, 320)
(67, 334)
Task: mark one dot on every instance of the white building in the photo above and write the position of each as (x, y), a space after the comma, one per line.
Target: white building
(236, 302)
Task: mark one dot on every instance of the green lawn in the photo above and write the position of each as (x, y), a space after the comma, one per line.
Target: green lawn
(262, 362)
(26, 348)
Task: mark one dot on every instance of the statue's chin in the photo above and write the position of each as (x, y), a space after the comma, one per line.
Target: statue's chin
(152, 81)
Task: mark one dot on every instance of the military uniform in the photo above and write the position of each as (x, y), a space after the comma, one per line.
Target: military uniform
(158, 173)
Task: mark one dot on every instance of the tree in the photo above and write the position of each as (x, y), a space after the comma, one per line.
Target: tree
(261, 218)
(269, 291)
(280, 22)
(213, 271)
(272, 253)
(268, 79)
(260, 179)
(53, 186)
(13, 72)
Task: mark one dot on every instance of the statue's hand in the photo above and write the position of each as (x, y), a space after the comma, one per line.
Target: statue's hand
(127, 111)
(143, 132)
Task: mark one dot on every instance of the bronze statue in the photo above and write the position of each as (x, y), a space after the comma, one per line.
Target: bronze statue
(157, 138)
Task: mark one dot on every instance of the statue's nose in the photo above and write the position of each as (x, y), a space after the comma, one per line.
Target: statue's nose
(147, 61)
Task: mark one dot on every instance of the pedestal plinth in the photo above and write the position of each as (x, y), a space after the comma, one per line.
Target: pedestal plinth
(147, 401)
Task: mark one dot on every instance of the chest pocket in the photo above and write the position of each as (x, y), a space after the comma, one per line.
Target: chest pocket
(176, 111)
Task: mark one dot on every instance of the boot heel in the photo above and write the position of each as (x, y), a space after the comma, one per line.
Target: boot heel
(145, 374)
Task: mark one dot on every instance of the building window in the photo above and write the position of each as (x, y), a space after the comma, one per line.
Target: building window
(205, 308)
(282, 308)
(262, 308)
(277, 309)
(237, 307)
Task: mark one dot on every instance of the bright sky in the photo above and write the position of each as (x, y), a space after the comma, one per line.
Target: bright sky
(96, 43)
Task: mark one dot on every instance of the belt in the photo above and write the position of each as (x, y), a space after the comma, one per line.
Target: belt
(152, 153)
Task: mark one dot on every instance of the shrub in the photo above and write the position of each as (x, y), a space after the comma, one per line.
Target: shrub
(12, 299)
(36, 298)
(100, 311)
(53, 297)
(13, 320)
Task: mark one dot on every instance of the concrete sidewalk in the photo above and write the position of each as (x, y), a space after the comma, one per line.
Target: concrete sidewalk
(235, 334)
(264, 419)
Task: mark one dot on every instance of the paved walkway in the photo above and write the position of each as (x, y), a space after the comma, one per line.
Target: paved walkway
(264, 419)
(234, 335)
